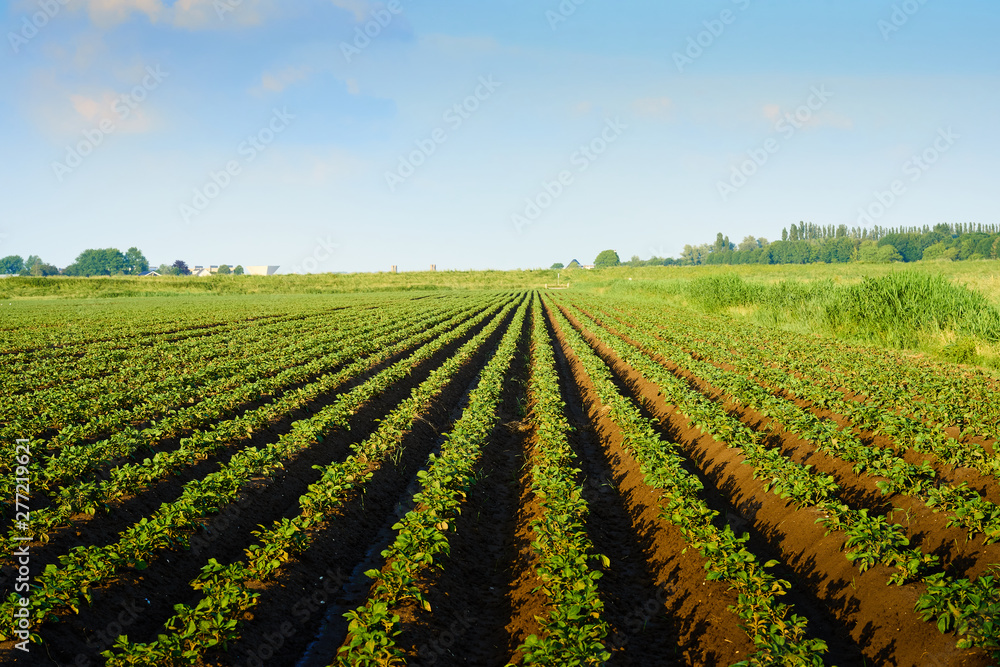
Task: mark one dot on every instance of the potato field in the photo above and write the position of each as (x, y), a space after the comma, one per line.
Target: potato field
(486, 478)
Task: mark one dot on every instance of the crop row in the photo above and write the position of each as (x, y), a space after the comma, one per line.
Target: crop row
(573, 631)
(742, 350)
(179, 392)
(422, 533)
(33, 374)
(226, 593)
(85, 567)
(966, 507)
(870, 539)
(92, 495)
(779, 635)
(172, 378)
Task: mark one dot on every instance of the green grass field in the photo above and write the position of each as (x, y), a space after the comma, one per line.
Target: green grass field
(948, 310)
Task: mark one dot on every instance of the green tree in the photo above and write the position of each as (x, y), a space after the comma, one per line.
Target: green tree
(98, 262)
(224, 270)
(181, 268)
(876, 254)
(11, 264)
(42, 269)
(135, 262)
(30, 264)
(238, 271)
(558, 265)
(607, 259)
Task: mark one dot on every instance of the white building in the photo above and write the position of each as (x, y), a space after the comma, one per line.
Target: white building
(261, 270)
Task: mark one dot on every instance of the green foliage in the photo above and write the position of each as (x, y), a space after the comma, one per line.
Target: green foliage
(894, 309)
(98, 262)
(607, 259)
(224, 270)
(180, 268)
(573, 265)
(42, 269)
(238, 271)
(135, 262)
(11, 265)
(873, 253)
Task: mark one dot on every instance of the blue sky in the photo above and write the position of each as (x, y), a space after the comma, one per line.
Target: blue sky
(489, 135)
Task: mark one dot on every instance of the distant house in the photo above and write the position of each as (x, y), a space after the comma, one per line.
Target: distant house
(261, 270)
(201, 272)
(149, 273)
(587, 266)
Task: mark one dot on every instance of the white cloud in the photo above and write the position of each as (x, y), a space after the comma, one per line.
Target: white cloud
(653, 107)
(460, 45)
(775, 113)
(187, 14)
(315, 166)
(276, 82)
(360, 8)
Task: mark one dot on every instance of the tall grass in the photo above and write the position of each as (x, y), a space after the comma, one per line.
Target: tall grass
(898, 308)
(903, 310)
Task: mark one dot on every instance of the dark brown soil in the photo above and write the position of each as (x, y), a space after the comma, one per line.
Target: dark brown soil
(879, 617)
(660, 609)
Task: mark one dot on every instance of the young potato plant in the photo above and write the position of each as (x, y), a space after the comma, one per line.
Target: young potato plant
(422, 534)
(85, 567)
(195, 630)
(870, 539)
(573, 631)
(778, 634)
(92, 496)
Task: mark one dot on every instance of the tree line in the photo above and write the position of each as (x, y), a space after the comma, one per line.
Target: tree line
(807, 243)
(100, 262)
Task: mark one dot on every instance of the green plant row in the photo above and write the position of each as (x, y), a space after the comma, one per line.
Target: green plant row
(68, 585)
(742, 350)
(778, 634)
(937, 393)
(966, 507)
(871, 540)
(323, 353)
(91, 496)
(422, 534)
(253, 379)
(52, 364)
(573, 630)
(95, 380)
(214, 620)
